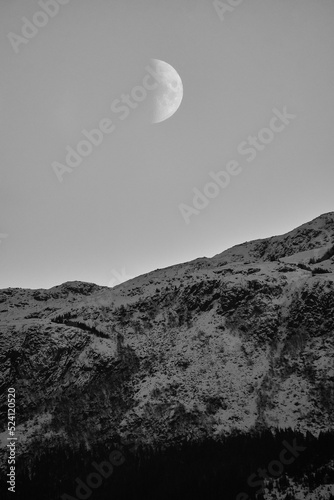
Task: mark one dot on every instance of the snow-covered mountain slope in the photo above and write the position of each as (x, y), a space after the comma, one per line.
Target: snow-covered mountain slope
(241, 341)
(314, 237)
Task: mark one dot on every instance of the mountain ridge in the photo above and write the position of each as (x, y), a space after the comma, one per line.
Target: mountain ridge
(238, 342)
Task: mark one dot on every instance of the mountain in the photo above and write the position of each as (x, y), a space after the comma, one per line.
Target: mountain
(237, 344)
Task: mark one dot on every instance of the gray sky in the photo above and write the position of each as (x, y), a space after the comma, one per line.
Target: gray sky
(119, 212)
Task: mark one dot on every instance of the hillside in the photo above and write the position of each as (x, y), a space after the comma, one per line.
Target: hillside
(238, 343)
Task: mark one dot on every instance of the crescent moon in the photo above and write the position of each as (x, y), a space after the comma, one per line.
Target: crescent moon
(169, 94)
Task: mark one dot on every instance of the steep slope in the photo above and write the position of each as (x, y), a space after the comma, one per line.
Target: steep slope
(314, 238)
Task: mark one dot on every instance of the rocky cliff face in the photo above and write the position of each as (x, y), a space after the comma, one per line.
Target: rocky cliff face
(241, 341)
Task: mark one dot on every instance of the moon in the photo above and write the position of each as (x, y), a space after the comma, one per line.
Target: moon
(169, 94)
